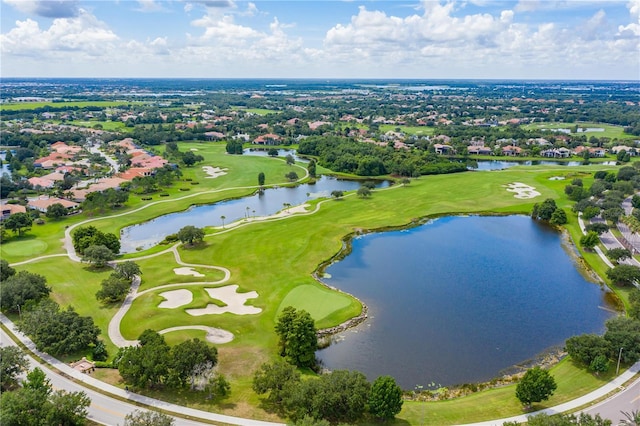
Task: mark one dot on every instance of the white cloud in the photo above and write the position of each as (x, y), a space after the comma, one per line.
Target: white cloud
(83, 33)
(150, 6)
(46, 8)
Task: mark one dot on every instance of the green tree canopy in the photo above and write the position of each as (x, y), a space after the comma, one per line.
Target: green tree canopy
(56, 211)
(12, 363)
(113, 289)
(544, 210)
(624, 274)
(98, 255)
(298, 340)
(590, 240)
(21, 288)
(35, 404)
(385, 398)
(536, 385)
(148, 418)
(18, 223)
(190, 358)
(623, 332)
(128, 269)
(58, 332)
(5, 270)
(618, 254)
(190, 235)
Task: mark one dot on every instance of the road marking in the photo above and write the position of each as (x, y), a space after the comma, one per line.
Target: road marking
(635, 399)
(106, 410)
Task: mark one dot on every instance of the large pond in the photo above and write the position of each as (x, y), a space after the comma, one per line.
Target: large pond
(460, 299)
(504, 164)
(271, 201)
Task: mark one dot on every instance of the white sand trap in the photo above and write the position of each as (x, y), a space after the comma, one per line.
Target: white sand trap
(235, 302)
(214, 335)
(193, 149)
(522, 191)
(176, 298)
(214, 172)
(187, 271)
(557, 178)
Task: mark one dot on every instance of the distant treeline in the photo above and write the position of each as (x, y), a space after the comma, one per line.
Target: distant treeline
(367, 159)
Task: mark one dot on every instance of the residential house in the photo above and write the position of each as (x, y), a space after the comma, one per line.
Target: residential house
(628, 149)
(443, 149)
(268, 139)
(41, 204)
(511, 151)
(9, 209)
(479, 150)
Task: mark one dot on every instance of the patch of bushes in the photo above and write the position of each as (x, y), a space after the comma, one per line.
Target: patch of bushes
(195, 183)
(146, 198)
(164, 194)
(185, 189)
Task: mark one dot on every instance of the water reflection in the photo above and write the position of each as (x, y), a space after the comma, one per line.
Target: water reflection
(271, 201)
(460, 299)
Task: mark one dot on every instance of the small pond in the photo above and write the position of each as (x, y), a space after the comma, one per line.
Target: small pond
(272, 200)
(460, 299)
(5, 166)
(282, 153)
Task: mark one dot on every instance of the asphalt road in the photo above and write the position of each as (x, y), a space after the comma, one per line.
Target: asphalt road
(111, 411)
(627, 400)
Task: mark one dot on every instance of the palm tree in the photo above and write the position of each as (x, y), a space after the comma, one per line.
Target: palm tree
(222, 218)
(632, 418)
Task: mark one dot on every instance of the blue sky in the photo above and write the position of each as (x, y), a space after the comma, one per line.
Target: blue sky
(519, 39)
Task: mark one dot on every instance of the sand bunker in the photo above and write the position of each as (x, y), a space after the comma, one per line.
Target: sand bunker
(235, 302)
(521, 190)
(557, 178)
(175, 298)
(214, 172)
(187, 271)
(214, 335)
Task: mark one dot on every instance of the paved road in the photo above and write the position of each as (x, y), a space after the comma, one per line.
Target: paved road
(612, 408)
(105, 409)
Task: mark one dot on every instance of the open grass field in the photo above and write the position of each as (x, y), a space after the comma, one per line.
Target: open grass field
(276, 258)
(112, 126)
(409, 130)
(257, 111)
(19, 106)
(610, 131)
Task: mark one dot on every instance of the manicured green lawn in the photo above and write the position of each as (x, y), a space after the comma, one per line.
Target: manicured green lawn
(610, 131)
(258, 111)
(19, 106)
(276, 258)
(499, 402)
(409, 130)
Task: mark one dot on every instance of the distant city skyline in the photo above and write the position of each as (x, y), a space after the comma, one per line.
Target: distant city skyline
(472, 39)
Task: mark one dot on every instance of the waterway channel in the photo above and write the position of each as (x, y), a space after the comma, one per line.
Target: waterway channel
(269, 202)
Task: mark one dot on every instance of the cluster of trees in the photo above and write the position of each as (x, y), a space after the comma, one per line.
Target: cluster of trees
(154, 364)
(348, 156)
(234, 147)
(164, 176)
(548, 211)
(190, 235)
(100, 201)
(20, 289)
(597, 352)
(188, 158)
(583, 419)
(58, 331)
(89, 236)
(36, 403)
(339, 397)
(114, 288)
